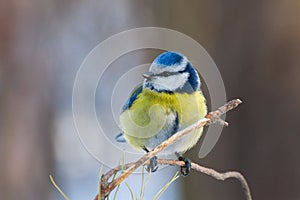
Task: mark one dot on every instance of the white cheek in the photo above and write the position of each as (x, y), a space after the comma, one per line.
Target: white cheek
(170, 83)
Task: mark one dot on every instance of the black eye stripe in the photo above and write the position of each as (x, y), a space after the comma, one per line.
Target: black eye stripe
(166, 73)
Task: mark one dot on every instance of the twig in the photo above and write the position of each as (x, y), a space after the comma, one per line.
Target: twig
(58, 188)
(212, 117)
(213, 173)
(208, 171)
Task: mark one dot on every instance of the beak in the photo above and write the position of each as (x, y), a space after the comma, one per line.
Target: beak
(148, 75)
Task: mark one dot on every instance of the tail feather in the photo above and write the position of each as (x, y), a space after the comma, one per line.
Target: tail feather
(120, 138)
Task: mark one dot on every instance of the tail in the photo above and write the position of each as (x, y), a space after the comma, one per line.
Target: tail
(120, 138)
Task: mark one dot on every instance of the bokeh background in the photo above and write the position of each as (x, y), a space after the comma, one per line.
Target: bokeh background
(255, 44)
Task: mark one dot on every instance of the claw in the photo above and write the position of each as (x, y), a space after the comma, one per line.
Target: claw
(152, 167)
(185, 170)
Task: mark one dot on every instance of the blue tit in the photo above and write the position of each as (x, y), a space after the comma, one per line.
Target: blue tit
(169, 100)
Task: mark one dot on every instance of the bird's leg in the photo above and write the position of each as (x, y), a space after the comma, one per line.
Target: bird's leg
(152, 167)
(184, 170)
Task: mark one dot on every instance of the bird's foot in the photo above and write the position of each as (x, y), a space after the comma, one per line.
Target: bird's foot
(185, 170)
(152, 167)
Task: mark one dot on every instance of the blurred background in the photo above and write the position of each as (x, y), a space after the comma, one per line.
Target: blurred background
(255, 44)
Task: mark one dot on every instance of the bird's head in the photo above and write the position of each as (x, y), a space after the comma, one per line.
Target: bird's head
(172, 72)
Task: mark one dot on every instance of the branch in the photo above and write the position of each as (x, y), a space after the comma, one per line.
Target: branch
(213, 173)
(212, 117)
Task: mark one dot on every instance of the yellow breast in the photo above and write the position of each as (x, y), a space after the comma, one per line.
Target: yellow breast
(151, 110)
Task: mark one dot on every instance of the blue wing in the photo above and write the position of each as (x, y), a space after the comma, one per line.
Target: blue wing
(133, 96)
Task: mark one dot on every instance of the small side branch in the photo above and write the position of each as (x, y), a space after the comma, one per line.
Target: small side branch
(213, 173)
(212, 117)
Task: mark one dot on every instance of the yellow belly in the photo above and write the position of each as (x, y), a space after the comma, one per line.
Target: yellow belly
(149, 119)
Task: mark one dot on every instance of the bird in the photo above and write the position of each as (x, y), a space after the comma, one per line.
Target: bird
(168, 100)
